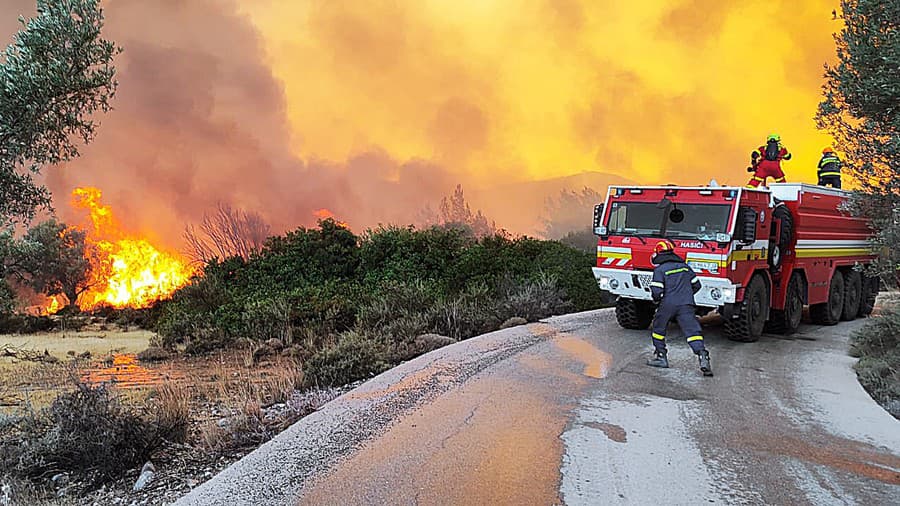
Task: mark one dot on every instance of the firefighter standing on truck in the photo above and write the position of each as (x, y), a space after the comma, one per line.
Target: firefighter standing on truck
(769, 162)
(673, 287)
(829, 169)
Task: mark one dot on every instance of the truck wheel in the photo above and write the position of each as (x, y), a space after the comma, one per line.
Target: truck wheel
(634, 314)
(777, 250)
(829, 313)
(787, 321)
(852, 295)
(748, 326)
(869, 293)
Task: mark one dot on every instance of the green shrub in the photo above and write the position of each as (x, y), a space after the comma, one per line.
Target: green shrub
(534, 299)
(268, 318)
(396, 254)
(877, 345)
(305, 256)
(355, 356)
(327, 308)
(314, 284)
(14, 323)
(395, 300)
(7, 298)
(470, 313)
(86, 431)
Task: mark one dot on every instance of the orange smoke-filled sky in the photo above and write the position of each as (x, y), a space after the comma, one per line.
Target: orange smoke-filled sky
(375, 109)
(537, 89)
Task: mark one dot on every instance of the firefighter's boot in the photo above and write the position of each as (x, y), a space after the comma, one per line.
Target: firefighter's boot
(659, 359)
(704, 363)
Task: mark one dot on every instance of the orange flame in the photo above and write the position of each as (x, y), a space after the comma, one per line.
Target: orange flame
(324, 214)
(53, 306)
(127, 271)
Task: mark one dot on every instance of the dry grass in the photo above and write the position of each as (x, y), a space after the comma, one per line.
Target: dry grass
(172, 407)
(59, 344)
(242, 392)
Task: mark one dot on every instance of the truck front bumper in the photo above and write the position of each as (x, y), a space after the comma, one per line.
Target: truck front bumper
(631, 284)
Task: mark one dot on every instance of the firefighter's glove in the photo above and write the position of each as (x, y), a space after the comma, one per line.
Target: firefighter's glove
(754, 155)
(750, 169)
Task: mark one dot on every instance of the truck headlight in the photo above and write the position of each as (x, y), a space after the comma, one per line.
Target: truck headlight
(716, 294)
(613, 284)
(603, 282)
(728, 293)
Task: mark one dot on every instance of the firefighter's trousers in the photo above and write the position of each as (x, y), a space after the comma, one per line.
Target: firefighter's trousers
(766, 169)
(833, 181)
(686, 319)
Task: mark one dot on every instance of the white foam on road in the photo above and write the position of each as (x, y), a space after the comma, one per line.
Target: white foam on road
(656, 462)
(832, 393)
(818, 484)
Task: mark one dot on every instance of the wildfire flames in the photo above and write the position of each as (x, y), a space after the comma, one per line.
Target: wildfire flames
(127, 271)
(324, 214)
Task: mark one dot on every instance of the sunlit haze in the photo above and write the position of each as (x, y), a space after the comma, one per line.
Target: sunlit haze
(373, 110)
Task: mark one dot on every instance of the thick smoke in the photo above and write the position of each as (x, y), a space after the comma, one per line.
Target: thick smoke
(375, 109)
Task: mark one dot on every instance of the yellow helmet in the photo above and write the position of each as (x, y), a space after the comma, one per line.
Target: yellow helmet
(774, 137)
(662, 246)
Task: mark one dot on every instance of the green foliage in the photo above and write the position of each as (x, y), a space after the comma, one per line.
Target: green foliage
(55, 259)
(877, 345)
(534, 299)
(355, 356)
(398, 254)
(57, 72)
(87, 431)
(522, 259)
(268, 318)
(7, 298)
(15, 323)
(861, 110)
(305, 256)
(343, 299)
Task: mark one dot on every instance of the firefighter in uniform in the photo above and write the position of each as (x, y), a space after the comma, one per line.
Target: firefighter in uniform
(767, 162)
(830, 169)
(673, 287)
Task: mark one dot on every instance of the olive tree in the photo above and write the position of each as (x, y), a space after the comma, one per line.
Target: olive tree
(55, 75)
(861, 110)
(55, 259)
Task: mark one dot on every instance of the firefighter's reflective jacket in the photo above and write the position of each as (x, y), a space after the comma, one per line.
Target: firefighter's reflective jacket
(829, 165)
(674, 282)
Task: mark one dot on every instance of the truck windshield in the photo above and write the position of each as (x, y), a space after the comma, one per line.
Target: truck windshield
(701, 221)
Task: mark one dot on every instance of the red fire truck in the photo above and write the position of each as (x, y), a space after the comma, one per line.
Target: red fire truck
(761, 254)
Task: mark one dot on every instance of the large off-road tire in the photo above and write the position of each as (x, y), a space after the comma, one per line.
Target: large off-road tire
(852, 295)
(829, 313)
(787, 321)
(870, 287)
(751, 313)
(634, 314)
(783, 242)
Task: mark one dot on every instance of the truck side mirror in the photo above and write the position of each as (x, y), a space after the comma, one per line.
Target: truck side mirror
(745, 231)
(599, 229)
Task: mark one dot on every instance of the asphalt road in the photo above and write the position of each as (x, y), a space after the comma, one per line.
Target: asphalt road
(566, 412)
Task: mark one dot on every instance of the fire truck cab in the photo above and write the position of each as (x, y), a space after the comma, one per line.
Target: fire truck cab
(761, 254)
